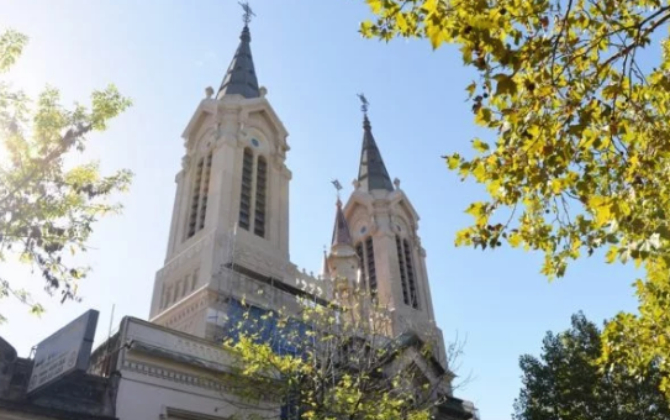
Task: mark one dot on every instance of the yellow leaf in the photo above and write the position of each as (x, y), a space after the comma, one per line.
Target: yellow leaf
(375, 5)
(480, 146)
(401, 22)
(435, 35)
(453, 161)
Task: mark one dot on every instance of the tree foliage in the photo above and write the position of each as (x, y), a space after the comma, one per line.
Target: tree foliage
(581, 155)
(48, 205)
(330, 362)
(567, 383)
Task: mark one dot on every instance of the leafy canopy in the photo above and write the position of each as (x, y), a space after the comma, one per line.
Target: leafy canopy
(330, 362)
(566, 382)
(581, 157)
(47, 207)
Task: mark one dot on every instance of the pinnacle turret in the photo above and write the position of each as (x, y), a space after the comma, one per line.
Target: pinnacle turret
(341, 233)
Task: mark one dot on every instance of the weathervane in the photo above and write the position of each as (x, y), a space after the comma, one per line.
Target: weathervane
(364, 103)
(338, 187)
(248, 13)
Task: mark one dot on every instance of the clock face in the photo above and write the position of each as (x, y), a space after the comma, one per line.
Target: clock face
(255, 142)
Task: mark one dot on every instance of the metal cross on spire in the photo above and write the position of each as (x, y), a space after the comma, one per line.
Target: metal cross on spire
(248, 13)
(364, 103)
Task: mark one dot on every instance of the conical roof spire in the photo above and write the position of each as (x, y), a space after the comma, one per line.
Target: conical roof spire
(372, 173)
(241, 78)
(325, 271)
(341, 234)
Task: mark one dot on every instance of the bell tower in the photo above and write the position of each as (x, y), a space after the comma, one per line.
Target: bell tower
(231, 204)
(384, 231)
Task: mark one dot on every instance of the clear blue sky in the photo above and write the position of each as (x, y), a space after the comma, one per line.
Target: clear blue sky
(163, 53)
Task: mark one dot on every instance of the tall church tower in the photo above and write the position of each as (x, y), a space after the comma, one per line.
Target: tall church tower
(384, 231)
(231, 205)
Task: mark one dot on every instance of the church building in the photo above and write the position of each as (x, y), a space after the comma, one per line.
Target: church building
(229, 243)
(230, 221)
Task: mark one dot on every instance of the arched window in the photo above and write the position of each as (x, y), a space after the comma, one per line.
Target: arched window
(370, 263)
(195, 199)
(403, 270)
(261, 188)
(245, 194)
(409, 269)
(200, 189)
(205, 190)
(361, 264)
(366, 255)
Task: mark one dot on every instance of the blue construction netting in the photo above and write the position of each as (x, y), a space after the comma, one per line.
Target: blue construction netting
(290, 338)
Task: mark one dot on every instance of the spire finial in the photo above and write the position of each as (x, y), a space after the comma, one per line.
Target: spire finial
(338, 187)
(364, 103)
(248, 13)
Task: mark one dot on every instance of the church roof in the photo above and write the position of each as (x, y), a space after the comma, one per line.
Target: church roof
(241, 78)
(372, 173)
(341, 233)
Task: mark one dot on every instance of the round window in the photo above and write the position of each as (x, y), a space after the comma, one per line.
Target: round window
(255, 142)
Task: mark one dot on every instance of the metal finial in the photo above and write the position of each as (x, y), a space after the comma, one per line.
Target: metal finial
(248, 13)
(337, 186)
(364, 103)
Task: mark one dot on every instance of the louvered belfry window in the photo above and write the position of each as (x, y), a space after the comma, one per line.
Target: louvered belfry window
(370, 262)
(199, 192)
(261, 189)
(205, 191)
(245, 195)
(403, 270)
(411, 275)
(361, 264)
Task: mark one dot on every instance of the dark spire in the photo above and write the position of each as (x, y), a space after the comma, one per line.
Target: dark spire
(372, 173)
(241, 76)
(341, 234)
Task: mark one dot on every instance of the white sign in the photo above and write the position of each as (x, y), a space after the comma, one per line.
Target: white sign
(67, 350)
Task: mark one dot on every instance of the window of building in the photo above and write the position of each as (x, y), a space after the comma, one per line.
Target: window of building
(245, 194)
(361, 264)
(195, 199)
(409, 269)
(366, 256)
(205, 191)
(372, 272)
(403, 270)
(261, 187)
(200, 190)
